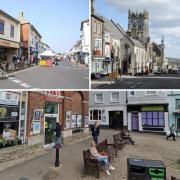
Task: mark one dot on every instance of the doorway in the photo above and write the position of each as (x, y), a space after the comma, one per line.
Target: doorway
(50, 124)
(134, 121)
(116, 119)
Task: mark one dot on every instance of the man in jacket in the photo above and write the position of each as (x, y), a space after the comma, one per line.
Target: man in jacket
(95, 132)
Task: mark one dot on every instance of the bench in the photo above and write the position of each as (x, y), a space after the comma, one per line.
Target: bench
(92, 166)
(110, 149)
(119, 141)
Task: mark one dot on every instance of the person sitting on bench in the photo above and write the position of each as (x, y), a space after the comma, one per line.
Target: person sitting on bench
(127, 136)
(96, 155)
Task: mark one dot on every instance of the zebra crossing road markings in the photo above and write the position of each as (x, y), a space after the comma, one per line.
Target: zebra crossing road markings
(25, 85)
(20, 82)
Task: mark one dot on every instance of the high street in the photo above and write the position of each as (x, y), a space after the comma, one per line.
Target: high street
(63, 76)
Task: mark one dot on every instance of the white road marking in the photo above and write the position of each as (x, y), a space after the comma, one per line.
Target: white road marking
(11, 78)
(17, 81)
(26, 85)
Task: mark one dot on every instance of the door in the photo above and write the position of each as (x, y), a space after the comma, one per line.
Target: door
(134, 121)
(116, 119)
(50, 124)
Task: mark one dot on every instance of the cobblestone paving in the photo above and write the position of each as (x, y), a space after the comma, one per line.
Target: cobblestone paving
(148, 146)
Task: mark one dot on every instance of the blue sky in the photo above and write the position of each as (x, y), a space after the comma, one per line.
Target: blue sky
(164, 19)
(58, 21)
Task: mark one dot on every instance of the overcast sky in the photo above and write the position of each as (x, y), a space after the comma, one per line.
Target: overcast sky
(164, 18)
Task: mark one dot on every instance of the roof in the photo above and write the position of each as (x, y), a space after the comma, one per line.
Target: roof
(136, 42)
(8, 16)
(85, 21)
(110, 26)
(36, 30)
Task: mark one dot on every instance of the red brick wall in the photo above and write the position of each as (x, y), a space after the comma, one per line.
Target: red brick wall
(35, 101)
(24, 32)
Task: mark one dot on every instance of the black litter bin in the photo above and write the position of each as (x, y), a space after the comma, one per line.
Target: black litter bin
(142, 169)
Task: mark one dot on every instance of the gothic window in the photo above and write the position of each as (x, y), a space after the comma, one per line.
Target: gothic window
(134, 25)
(140, 28)
(126, 49)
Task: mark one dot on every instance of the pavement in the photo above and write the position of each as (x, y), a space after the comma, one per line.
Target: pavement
(63, 76)
(148, 146)
(139, 82)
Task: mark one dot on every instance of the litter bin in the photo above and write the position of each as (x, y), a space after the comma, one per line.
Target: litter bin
(143, 169)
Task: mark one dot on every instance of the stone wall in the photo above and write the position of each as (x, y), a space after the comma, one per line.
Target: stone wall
(18, 152)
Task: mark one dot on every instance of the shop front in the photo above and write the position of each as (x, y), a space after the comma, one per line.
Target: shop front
(8, 49)
(50, 118)
(148, 118)
(10, 113)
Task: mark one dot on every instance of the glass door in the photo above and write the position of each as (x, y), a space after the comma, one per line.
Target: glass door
(50, 124)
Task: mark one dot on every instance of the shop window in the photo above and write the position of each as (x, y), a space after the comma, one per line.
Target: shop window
(51, 108)
(97, 43)
(99, 98)
(2, 26)
(154, 118)
(12, 31)
(95, 115)
(177, 103)
(115, 97)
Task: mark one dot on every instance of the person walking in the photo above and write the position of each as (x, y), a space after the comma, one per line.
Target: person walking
(172, 133)
(95, 132)
(58, 134)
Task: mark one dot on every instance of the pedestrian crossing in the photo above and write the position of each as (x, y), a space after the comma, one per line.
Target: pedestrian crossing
(21, 83)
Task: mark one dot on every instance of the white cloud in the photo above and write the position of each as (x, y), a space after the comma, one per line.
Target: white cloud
(164, 17)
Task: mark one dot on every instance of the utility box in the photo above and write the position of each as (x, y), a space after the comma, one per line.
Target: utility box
(143, 169)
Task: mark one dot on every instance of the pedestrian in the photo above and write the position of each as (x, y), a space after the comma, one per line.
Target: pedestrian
(172, 133)
(95, 131)
(101, 158)
(127, 136)
(58, 134)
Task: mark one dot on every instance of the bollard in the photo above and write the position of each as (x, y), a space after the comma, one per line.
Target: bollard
(57, 155)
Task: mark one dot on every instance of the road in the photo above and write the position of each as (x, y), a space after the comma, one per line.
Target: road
(63, 76)
(142, 82)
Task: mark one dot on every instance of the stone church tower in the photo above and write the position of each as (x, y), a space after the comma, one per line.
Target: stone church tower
(138, 25)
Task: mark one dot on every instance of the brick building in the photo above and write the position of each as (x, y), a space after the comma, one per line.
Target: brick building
(44, 109)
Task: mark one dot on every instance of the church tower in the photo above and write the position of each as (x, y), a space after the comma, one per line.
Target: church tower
(138, 25)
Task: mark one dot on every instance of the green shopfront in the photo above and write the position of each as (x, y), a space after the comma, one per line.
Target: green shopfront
(148, 118)
(50, 118)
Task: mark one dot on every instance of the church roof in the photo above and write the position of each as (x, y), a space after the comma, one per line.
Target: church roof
(137, 43)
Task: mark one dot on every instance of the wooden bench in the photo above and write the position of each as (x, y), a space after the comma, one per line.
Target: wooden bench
(119, 141)
(92, 166)
(110, 149)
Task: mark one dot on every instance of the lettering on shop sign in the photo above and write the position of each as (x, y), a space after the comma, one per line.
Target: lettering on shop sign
(54, 93)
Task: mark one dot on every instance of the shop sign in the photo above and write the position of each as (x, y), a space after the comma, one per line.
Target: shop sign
(36, 127)
(152, 108)
(9, 44)
(9, 98)
(54, 93)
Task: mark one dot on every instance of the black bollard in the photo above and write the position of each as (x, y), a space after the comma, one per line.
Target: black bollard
(57, 156)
